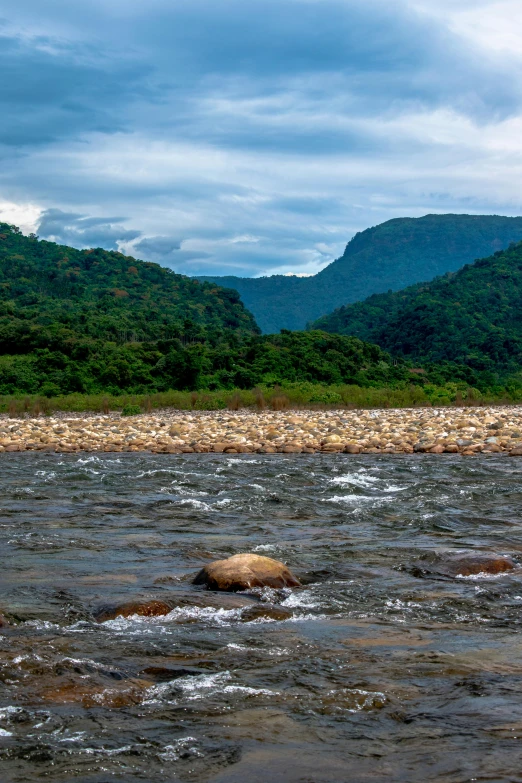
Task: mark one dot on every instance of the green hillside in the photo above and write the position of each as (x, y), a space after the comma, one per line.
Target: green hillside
(392, 255)
(473, 317)
(95, 321)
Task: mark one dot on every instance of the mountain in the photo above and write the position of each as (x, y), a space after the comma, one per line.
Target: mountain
(472, 317)
(48, 291)
(96, 321)
(82, 320)
(392, 255)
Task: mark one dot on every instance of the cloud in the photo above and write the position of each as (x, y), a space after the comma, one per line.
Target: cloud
(69, 228)
(247, 138)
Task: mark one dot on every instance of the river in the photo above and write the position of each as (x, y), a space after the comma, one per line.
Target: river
(380, 670)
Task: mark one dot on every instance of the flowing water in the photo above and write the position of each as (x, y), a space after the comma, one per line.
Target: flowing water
(375, 670)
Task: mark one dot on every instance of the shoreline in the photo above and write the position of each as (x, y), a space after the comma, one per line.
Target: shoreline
(489, 430)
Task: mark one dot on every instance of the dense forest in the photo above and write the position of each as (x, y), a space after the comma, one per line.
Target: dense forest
(92, 320)
(472, 317)
(389, 256)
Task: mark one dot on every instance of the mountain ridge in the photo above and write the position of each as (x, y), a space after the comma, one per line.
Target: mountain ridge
(472, 317)
(391, 255)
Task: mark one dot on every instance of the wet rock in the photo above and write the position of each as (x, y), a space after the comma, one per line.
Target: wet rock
(154, 608)
(462, 564)
(516, 452)
(475, 563)
(265, 612)
(244, 571)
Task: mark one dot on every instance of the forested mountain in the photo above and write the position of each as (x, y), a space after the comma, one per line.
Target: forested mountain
(391, 255)
(93, 321)
(52, 293)
(473, 317)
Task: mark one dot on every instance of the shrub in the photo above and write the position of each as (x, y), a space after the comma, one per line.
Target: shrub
(131, 410)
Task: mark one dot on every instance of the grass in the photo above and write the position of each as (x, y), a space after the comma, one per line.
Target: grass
(298, 395)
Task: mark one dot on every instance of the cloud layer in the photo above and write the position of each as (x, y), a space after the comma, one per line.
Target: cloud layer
(252, 138)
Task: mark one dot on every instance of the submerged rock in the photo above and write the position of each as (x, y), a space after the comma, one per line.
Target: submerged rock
(462, 564)
(265, 612)
(241, 572)
(154, 608)
(478, 563)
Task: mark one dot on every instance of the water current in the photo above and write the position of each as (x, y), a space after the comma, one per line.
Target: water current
(374, 670)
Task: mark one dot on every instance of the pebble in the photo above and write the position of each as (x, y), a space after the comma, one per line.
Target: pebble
(467, 431)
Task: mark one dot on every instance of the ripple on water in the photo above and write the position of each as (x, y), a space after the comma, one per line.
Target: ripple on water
(367, 667)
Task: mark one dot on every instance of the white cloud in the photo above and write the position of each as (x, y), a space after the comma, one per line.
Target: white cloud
(25, 216)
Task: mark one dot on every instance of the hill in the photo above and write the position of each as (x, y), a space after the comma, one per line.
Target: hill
(96, 321)
(472, 317)
(389, 256)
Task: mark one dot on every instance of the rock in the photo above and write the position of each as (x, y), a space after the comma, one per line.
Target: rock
(451, 448)
(478, 563)
(516, 452)
(245, 571)
(438, 449)
(462, 564)
(265, 612)
(154, 608)
(352, 448)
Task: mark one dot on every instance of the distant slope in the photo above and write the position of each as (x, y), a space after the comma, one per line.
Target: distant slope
(472, 317)
(391, 255)
(49, 291)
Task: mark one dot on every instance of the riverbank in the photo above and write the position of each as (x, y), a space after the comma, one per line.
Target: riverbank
(405, 431)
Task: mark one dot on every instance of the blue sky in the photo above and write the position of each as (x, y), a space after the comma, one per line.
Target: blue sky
(250, 138)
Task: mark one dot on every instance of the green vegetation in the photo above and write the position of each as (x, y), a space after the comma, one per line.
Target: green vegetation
(95, 322)
(469, 321)
(392, 255)
(292, 395)
(95, 330)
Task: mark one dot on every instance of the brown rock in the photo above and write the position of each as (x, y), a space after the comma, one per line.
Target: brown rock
(154, 608)
(478, 563)
(451, 448)
(265, 612)
(244, 571)
(352, 448)
(463, 564)
(516, 452)
(438, 449)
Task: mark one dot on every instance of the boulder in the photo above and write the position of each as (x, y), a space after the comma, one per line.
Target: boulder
(516, 452)
(245, 571)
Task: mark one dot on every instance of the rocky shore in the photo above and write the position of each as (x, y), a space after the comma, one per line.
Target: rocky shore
(465, 431)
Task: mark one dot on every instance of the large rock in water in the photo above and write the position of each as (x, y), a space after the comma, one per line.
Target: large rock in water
(477, 563)
(242, 572)
(154, 608)
(457, 564)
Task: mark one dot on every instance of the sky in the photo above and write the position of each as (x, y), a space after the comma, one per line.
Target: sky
(253, 138)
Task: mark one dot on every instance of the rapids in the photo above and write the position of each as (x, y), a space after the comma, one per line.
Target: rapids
(382, 670)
